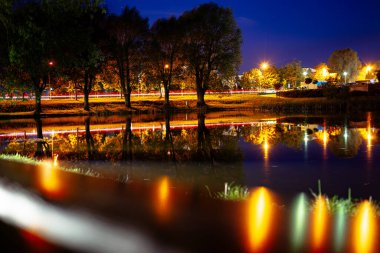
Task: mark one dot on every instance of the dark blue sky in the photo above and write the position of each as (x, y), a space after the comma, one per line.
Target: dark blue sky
(280, 31)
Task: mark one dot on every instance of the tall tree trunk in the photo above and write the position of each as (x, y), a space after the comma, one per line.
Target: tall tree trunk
(122, 81)
(89, 140)
(86, 102)
(199, 81)
(167, 91)
(37, 95)
(39, 153)
(128, 84)
(88, 80)
(201, 97)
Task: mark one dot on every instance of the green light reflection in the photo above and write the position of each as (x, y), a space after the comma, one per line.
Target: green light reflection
(299, 222)
(340, 228)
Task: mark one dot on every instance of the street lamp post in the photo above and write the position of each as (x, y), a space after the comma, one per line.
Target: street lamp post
(50, 65)
(263, 66)
(345, 77)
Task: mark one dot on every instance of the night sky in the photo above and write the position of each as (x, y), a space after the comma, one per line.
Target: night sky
(281, 31)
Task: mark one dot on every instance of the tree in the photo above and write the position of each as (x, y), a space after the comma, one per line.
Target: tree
(252, 78)
(88, 57)
(126, 40)
(212, 45)
(32, 47)
(321, 72)
(164, 52)
(345, 60)
(292, 73)
(270, 77)
(5, 28)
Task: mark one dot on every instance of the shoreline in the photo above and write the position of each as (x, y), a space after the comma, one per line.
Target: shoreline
(184, 104)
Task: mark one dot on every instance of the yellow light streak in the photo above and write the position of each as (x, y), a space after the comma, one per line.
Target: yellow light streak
(163, 198)
(260, 219)
(320, 222)
(365, 228)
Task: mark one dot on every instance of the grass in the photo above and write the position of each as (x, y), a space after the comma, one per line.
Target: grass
(20, 159)
(27, 160)
(336, 203)
(232, 192)
(224, 102)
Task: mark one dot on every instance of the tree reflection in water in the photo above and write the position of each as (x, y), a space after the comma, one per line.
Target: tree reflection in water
(204, 148)
(127, 141)
(91, 151)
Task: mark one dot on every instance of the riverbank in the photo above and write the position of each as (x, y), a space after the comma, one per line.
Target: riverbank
(187, 103)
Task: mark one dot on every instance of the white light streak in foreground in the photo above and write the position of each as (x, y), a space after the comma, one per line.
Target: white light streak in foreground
(71, 229)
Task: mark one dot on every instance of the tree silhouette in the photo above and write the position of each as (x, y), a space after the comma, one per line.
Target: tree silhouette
(212, 45)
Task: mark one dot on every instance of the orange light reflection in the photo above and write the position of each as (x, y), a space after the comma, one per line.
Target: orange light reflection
(163, 198)
(49, 180)
(266, 148)
(365, 228)
(260, 218)
(320, 223)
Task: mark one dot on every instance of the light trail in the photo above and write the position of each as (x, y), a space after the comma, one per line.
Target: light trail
(72, 229)
(137, 128)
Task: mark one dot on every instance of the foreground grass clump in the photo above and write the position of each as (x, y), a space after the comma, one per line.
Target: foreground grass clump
(27, 160)
(336, 203)
(19, 158)
(233, 192)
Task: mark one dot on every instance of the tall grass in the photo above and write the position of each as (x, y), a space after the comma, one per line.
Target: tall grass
(349, 205)
(232, 192)
(27, 160)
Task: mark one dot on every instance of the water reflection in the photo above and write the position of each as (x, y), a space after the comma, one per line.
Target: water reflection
(365, 226)
(299, 223)
(340, 228)
(90, 143)
(204, 150)
(260, 216)
(162, 198)
(48, 178)
(319, 224)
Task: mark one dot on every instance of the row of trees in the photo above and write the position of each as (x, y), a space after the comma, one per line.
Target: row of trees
(342, 66)
(78, 45)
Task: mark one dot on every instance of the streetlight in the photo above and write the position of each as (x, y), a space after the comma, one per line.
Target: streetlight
(51, 63)
(324, 73)
(345, 76)
(264, 66)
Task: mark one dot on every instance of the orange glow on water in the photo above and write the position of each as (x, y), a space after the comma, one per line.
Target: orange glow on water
(365, 228)
(260, 219)
(266, 148)
(49, 180)
(320, 223)
(163, 197)
(55, 161)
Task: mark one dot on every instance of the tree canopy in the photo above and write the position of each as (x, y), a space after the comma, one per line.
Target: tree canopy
(212, 45)
(345, 61)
